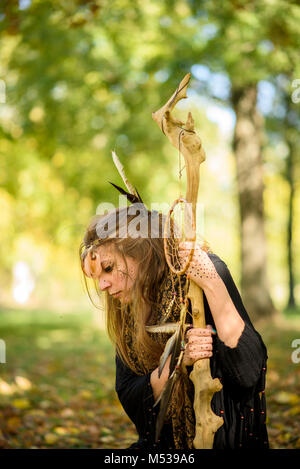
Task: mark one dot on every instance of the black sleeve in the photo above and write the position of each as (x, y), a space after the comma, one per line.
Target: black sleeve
(136, 396)
(242, 365)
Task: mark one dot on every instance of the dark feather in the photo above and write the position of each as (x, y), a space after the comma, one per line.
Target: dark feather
(176, 350)
(138, 195)
(164, 399)
(166, 353)
(173, 347)
(131, 197)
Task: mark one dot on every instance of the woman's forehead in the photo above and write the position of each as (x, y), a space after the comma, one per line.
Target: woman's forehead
(106, 252)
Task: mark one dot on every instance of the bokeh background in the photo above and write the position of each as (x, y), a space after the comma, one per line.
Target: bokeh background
(81, 78)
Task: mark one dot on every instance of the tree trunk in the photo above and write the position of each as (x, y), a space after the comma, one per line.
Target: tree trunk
(247, 146)
(290, 179)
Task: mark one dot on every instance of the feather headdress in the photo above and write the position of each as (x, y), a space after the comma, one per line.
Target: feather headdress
(133, 196)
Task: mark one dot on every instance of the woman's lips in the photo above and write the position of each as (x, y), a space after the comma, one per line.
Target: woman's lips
(116, 294)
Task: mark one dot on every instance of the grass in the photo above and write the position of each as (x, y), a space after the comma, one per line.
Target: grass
(57, 385)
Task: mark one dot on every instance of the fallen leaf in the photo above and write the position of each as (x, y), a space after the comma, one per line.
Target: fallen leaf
(85, 394)
(45, 404)
(107, 439)
(66, 413)
(23, 383)
(74, 441)
(13, 423)
(6, 388)
(21, 403)
(284, 397)
(93, 429)
(61, 430)
(294, 410)
(73, 430)
(106, 431)
(50, 438)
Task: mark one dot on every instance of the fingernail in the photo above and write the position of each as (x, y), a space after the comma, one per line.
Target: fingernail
(213, 330)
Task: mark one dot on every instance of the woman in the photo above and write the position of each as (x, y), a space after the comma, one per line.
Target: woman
(141, 291)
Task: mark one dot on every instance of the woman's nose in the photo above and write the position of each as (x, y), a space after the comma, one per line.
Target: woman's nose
(104, 284)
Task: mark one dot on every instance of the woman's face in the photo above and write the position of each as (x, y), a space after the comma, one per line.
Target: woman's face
(113, 274)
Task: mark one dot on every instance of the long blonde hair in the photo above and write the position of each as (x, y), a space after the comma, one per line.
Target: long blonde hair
(148, 251)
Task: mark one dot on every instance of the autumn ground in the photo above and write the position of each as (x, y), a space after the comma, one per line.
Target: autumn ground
(57, 385)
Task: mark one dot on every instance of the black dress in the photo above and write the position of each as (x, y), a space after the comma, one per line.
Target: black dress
(241, 401)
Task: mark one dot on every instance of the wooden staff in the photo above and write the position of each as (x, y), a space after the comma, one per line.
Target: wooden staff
(183, 137)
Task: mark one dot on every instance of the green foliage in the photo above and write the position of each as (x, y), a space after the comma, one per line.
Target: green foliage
(83, 77)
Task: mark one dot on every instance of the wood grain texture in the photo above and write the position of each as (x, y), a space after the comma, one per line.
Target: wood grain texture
(184, 138)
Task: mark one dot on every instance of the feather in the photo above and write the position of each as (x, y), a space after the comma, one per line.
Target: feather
(121, 171)
(176, 351)
(131, 197)
(164, 399)
(167, 328)
(173, 347)
(167, 351)
(138, 195)
(165, 392)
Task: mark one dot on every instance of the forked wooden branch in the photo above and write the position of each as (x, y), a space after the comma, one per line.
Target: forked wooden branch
(184, 138)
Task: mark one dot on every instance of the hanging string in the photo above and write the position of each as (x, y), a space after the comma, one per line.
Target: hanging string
(183, 292)
(180, 168)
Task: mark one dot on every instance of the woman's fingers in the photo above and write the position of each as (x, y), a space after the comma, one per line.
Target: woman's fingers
(191, 356)
(199, 344)
(196, 347)
(201, 332)
(197, 355)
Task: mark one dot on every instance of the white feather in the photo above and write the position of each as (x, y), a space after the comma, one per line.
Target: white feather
(121, 171)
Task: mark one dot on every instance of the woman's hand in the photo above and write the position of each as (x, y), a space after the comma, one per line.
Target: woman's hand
(201, 269)
(199, 344)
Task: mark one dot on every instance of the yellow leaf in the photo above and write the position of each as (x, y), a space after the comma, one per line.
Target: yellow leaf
(73, 441)
(283, 397)
(61, 430)
(85, 394)
(294, 410)
(106, 431)
(23, 383)
(21, 403)
(279, 426)
(73, 430)
(6, 388)
(36, 413)
(50, 438)
(107, 439)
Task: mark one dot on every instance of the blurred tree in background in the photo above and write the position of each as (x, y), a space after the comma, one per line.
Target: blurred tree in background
(82, 78)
